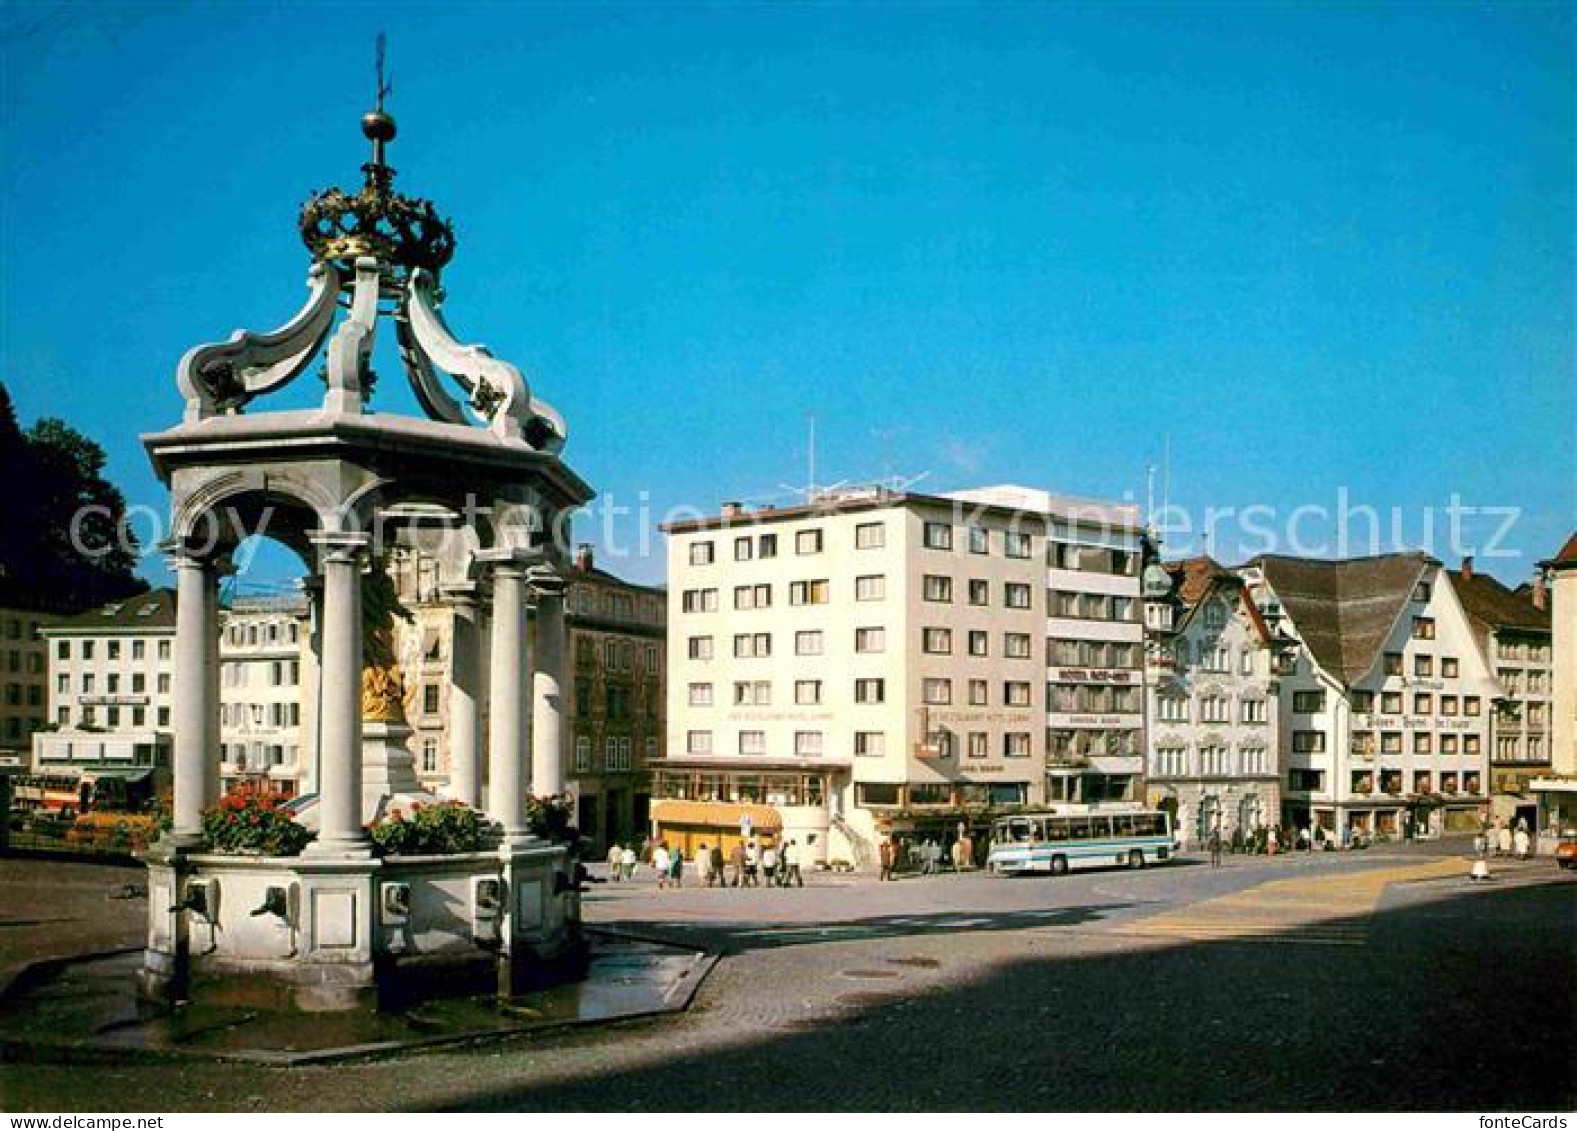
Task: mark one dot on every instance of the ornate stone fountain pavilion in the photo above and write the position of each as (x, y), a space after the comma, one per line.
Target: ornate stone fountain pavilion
(341, 485)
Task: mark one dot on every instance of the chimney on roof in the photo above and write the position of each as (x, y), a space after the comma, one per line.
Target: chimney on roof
(1541, 592)
(1467, 567)
(583, 557)
(733, 510)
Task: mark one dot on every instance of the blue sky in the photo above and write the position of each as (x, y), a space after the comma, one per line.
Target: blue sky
(1322, 249)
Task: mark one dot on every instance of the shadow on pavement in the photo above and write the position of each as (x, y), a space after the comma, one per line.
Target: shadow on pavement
(736, 938)
(1447, 1007)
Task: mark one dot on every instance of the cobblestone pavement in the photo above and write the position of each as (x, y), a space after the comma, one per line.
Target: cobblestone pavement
(973, 992)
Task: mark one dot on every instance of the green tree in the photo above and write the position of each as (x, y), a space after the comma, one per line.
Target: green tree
(61, 521)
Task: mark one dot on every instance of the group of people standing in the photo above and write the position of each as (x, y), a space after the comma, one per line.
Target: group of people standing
(1503, 839)
(748, 864)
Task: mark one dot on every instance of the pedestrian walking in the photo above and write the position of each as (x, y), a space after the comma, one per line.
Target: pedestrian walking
(885, 852)
(1505, 840)
(717, 865)
(769, 864)
(736, 861)
(615, 861)
(1215, 848)
(1270, 841)
(790, 865)
(703, 866)
(752, 863)
(661, 862)
(627, 862)
(929, 856)
(1523, 843)
(676, 866)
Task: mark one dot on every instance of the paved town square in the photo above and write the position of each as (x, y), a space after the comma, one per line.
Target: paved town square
(1317, 982)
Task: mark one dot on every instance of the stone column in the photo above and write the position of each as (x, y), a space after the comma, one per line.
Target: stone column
(196, 713)
(465, 698)
(340, 832)
(309, 757)
(509, 711)
(547, 693)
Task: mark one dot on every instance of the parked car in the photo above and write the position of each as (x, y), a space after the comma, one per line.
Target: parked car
(1566, 851)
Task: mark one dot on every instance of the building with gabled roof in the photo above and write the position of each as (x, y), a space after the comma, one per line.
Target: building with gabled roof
(1383, 693)
(1212, 718)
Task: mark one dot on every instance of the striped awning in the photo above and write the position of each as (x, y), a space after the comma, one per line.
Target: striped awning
(716, 814)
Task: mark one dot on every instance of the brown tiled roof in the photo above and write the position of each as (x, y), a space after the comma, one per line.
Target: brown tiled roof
(1567, 555)
(146, 612)
(1493, 606)
(1344, 610)
(1193, 577)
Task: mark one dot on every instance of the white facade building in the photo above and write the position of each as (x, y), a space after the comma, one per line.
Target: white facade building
(263, 652)
(1385, 703)
(877, 663)
(110, 676)
(1212, 711)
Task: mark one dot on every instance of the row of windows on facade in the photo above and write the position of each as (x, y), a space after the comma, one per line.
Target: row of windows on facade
(1391, 781)
(1368, 742)
(273, 715)
(1534, 651)
(256, 755)
(589, 601)
(260, 673)
(934, 536)
(1391, 703)
(1516, 748)
(15, 693)
(938, 691)
(88, 649)
(935, 589)
(620, 656)
(114, 683)
(617, 754)
(1210, 760)
(868, 743)
(1214, 657)
(1214, 707)
(1394, 663)
(138, 716)
(271, 632)
(18, 629)
(872, 639)
(15, 661)
(1520, 681)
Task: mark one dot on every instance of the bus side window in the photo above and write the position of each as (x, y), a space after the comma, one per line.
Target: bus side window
(1037, 830)
(1123, 825)
(1100, 826)
(1079, 828)
(1057, 828)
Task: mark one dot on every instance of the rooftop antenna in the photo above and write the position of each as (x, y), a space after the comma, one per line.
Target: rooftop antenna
(1166, 477)
(1149, 502)
(811, 489)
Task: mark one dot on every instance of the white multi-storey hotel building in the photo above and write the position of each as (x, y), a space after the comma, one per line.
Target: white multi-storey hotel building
(877, 662)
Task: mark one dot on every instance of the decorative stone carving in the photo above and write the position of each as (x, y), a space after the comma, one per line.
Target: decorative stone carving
(496, 390)
(224, 376)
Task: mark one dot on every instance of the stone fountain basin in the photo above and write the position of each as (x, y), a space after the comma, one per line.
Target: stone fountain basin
(325, 933)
